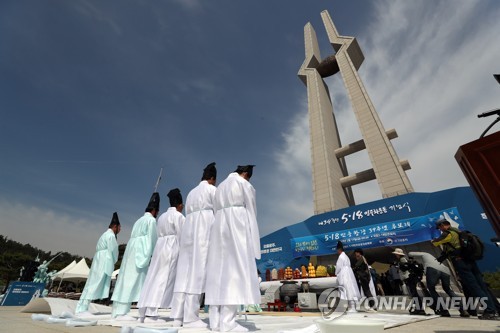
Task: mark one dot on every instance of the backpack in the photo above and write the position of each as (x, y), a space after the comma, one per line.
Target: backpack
(471, 246)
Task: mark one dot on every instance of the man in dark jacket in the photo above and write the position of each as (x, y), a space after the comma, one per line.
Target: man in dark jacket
(363, 276)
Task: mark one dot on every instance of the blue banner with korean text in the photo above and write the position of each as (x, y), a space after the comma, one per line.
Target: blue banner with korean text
(394, 233)
(21, 293)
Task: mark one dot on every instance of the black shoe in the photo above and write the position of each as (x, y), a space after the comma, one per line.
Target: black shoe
(464, 314)
(445, 313)
(418, 313)
(487, 316)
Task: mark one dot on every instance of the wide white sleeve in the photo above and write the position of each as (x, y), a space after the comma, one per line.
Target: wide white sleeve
(178, 226)
(114, 250)
(338, 266)
(112, 254)
(146, 244)
(251, 206)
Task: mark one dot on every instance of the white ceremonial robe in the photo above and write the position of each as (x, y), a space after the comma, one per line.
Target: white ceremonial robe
(346, 278)
(135, 262)
(103, 265)
(234, 245)
(158, 287)
(193, 253)
(372, 288)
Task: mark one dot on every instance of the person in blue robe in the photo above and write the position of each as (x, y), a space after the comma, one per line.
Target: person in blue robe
(135, 262)
(103, 265)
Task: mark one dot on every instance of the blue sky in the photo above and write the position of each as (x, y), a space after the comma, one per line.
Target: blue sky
(97, 96)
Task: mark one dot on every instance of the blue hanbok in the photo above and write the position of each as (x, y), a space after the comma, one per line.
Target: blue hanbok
(135, 263)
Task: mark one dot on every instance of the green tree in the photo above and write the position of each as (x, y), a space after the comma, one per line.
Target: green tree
(14, 255)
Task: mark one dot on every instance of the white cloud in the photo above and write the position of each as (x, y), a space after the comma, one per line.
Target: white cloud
(434, 83)
(89, 10)
(289, 199)
(51, 230)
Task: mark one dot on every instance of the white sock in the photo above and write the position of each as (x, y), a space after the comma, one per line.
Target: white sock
(198, 323)
(153, 320)
(84, 314)
(177, 323)
(239, 328)
(125, 318)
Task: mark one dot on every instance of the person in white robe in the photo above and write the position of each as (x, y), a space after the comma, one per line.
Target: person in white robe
(346, 278)
(234, 246)
(192, 263)
(158, 287)
(135, 262)
(103, 265)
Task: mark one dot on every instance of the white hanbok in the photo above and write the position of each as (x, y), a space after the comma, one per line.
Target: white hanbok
(103, 264)
(234, 245)
(372, 288)
(192, 264)
(135, 263)
(158, 287)
(346, 278)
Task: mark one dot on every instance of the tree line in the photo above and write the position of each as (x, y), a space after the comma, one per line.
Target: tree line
(15, 255)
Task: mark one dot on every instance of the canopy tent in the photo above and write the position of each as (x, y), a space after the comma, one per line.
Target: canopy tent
(380, 267)
(65, 269)
(76, 273)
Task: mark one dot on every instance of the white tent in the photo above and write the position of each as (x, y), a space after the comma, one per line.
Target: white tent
(75, 273)
(65, 269)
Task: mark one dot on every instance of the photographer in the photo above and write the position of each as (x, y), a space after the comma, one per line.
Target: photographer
(467, 269)
(413, 273)
(436, 272)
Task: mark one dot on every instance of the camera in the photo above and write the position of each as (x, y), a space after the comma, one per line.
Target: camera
(442, 257)
(415, 268)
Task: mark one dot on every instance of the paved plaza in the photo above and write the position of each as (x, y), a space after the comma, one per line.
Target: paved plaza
(12, 320)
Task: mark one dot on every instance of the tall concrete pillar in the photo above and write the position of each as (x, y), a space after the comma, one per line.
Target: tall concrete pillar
(328, 169)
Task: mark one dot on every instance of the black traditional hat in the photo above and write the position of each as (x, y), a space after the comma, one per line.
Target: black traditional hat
(154, 202)
(359, 250)
(209, 171)
(245, 168)
(175, 197)
(114, 220)
(340, 245)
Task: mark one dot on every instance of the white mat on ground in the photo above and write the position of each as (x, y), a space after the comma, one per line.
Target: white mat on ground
(262, 323)
(58, 306)
(273, 324)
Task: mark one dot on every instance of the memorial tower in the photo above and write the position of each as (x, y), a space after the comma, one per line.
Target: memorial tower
(331, 180)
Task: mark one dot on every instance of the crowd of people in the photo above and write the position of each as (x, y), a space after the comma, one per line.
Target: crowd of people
(166, 261)
(408, 271)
